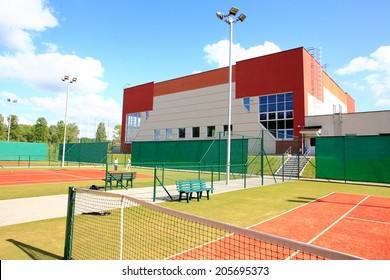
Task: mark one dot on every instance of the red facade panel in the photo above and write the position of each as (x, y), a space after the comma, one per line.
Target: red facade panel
(274, 73)
(136, 99)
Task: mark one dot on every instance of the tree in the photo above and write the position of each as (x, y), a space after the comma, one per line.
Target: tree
(72, 132)
(117, 133)
(14, 130)
(41, 131)
(25, 133)
(53, 136)
(3, 129)
(101, 135)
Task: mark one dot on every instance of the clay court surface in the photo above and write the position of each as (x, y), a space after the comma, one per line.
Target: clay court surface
(357, 225)
(21, 177)
(354, 224)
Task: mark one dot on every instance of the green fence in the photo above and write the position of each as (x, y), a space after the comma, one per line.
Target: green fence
(354, 158)
(20, 151)
(179, 154)
(85, 152)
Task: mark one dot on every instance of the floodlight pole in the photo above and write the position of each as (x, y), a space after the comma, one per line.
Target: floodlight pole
(230, 20)
(10, 115)
(229, 136)
(69, 81)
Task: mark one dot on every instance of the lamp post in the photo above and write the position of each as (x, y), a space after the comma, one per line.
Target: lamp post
(10, 114)
(230, 19)
(68, 81)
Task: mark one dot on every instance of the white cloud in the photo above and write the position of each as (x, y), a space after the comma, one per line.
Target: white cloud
(18, 18)
(44, 71)
(38, 75)
(218, 53)
(376, 70)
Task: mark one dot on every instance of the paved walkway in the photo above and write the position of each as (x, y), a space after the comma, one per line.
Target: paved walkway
(22, 210)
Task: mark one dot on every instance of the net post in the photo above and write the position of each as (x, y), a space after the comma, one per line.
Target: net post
(69, 223)
(106, 181)
(121, 229)
(262, 157)
(154, 184)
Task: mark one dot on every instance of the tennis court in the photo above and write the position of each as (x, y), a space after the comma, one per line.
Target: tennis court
(356, 225)
(21, 177)
(349, 223)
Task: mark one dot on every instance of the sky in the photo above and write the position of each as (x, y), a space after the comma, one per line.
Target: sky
(109, 45)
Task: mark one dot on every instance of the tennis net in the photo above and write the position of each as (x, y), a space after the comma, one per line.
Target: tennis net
(110, 226)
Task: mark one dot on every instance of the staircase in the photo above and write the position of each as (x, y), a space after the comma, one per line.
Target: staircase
(290, 167)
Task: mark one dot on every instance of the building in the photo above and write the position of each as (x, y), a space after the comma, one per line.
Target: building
(342, 124)
(274, 93)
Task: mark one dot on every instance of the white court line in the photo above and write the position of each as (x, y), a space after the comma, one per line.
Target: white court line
(277, 216)
(329, 227)
(69, 175)
(337, 221)
(370, 221)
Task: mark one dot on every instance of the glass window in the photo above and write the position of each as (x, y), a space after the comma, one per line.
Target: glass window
(272, 125)
(210, 131)
(289, 133)
(225, 128)
(246, 102)
(272, 98)
(272, 107)
(133, 124)
(195, 132)
(168, 133)
(281, 125)
(289, 124)
(276, 114)
(156, 134)
(263, 108)
(182, 133)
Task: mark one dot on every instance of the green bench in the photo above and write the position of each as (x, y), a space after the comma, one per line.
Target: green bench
(121, 178)
(188, 187)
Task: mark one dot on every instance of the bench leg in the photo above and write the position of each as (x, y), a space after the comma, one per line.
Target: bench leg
(189, 195)
(208, 195)
(180, 195)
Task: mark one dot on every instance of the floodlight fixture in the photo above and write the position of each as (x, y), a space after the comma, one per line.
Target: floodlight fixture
(220, 15)
(233, 11)
(241, 17)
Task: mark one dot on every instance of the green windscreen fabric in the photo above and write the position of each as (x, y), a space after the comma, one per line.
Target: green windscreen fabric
(85, 152)
(354, 158)
(189, 153)
(23, 151)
